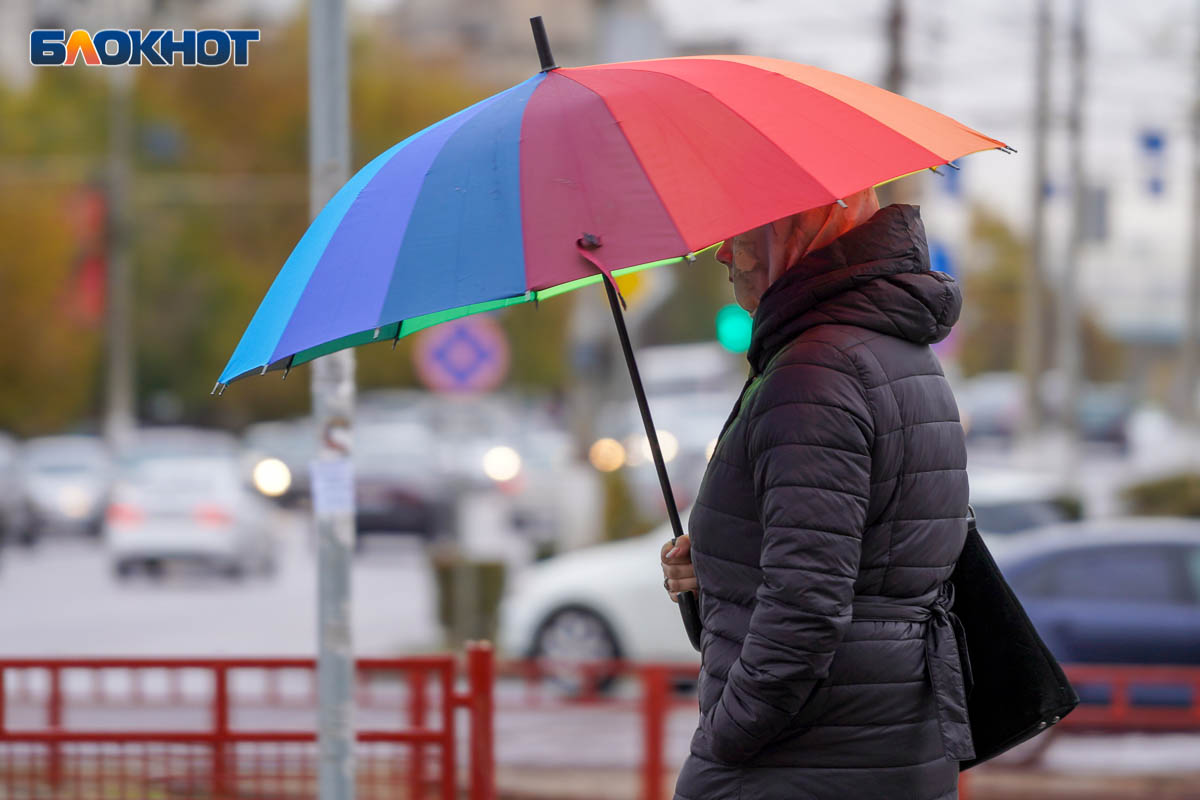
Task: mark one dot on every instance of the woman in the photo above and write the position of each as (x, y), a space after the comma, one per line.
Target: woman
(830, 517)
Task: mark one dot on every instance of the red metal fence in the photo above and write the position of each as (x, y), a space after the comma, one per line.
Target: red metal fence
(1118, 709)
(92, 729)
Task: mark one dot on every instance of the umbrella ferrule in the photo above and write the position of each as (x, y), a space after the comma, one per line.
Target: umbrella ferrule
(542, 42)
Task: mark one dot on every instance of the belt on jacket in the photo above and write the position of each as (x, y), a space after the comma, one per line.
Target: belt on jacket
(946, 656)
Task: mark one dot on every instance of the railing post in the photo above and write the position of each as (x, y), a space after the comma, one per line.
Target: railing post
(417, 680)
(220, 762)
(481, 678)
(54, 714)
(1120, 696)
(448, 673)
(654, 711)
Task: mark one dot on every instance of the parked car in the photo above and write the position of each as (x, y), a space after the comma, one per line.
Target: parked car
(1009, 501)
(1119, 591)
(65, 481)
(596, 603)
(181, 496)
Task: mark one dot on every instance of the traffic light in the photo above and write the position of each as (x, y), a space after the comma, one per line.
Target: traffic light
(733, 328)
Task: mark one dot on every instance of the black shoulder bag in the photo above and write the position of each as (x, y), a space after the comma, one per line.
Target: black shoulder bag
(1019, 689)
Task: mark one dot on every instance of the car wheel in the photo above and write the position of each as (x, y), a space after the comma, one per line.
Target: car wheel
(577, 634)
(233, 571)
(124, 569)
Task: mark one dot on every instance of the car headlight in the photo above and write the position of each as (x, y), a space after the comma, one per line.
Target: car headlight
(501, 463)
(607, 455)
(272, 477)
(74, 501)
(638, 451)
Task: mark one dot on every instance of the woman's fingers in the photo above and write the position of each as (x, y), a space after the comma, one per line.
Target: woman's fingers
(676, 585)
(678, 553)
(678, 571)
(678, 574)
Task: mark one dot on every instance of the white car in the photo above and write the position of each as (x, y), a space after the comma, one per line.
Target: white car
(596, 603)
(65, 481)
(187, 503)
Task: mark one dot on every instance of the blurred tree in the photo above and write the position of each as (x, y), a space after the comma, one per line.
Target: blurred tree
(1171, 496)
(992, 313)
(49, 364)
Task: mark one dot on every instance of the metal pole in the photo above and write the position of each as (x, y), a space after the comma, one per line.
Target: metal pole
(1069, 356)
(894, 79)
(1030, 334)
(119, 413)
(1189, 355)
(333, 411)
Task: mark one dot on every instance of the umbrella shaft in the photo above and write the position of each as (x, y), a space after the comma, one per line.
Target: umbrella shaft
(644, 407)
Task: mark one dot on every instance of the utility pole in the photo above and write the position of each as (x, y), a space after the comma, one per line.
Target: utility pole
(333, 411)
(1189, 356)
(1069, 356)
(1030, 334)
(120, 416)
(894, 78)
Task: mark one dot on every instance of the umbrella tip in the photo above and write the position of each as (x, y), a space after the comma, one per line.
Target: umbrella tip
(842, 203)
(542, 42)
(216, 386)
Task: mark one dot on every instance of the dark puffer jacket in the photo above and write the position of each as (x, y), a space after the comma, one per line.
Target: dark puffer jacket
(831, 514)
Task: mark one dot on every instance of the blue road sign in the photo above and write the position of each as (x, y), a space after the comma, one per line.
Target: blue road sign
(464, 355)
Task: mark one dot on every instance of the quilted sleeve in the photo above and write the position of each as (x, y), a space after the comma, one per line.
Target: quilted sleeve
(810, 434)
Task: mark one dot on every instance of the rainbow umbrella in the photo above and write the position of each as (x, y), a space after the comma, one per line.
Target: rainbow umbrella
(627, 165)
(577, 175)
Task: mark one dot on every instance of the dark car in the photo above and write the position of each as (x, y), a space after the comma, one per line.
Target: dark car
(1116, 592)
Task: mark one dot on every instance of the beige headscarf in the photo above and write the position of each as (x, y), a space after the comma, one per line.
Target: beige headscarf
(792, 238)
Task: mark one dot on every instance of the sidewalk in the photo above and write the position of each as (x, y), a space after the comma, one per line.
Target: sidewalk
(999, 783)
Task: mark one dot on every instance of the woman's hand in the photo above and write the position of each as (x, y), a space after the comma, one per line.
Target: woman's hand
(678, 574)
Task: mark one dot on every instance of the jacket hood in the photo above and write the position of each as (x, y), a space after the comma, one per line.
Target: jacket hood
(875, 276)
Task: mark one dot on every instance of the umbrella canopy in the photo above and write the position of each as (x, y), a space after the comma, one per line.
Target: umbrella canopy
(644, 162)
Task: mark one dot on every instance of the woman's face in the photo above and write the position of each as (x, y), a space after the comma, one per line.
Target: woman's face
(745, 256)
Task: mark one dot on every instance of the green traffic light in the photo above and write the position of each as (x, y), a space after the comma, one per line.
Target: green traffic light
(733, 328)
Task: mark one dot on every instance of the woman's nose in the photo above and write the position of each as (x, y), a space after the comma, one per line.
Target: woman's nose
(724, 253)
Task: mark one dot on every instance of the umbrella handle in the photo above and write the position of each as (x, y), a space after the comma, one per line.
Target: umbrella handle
(688, 606)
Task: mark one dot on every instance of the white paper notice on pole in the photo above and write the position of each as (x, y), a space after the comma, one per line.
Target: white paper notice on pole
(332, 486)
